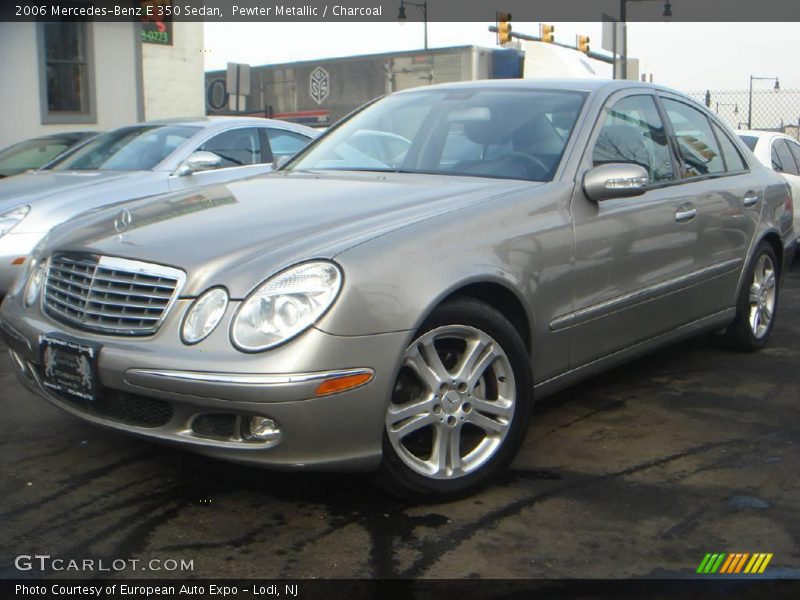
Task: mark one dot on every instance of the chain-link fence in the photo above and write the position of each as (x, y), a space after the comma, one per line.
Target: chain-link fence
(770, 110)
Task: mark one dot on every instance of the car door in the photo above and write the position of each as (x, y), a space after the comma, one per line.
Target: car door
(634, 255)
(244, 152)
(727, 197)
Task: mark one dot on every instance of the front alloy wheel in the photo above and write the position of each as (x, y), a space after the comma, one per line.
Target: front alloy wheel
(459, 405)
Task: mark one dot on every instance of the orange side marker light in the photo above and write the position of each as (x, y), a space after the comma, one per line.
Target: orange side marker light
(343, 383)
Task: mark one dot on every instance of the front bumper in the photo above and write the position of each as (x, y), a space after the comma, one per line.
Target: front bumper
(158, 388)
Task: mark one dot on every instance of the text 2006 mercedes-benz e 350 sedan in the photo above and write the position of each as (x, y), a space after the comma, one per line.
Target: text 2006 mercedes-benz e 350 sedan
(398, 294)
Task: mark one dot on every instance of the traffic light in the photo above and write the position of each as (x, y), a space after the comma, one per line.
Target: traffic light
(582, 42)
(503, 28)
(546, 33)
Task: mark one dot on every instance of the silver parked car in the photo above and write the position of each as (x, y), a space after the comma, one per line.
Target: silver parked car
(135, 162)
(396, 306)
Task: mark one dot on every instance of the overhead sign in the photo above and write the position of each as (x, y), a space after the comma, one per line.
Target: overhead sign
(612, 34)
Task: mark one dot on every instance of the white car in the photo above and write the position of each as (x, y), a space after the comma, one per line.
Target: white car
(782, 154)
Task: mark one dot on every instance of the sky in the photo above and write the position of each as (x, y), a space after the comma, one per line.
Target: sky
(686, 56)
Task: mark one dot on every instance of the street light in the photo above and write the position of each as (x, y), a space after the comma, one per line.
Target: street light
(623, 17)
(423, 6)
(776, 87)
(734, 105)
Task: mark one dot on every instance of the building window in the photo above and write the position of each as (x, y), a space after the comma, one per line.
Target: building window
(66, 73)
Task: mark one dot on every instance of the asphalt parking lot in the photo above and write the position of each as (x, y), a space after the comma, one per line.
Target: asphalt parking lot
(637, 473)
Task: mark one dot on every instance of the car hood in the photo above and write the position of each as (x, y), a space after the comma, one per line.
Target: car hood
(54, 191)
(240, 233)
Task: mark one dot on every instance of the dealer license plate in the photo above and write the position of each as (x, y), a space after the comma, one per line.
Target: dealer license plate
(69, 367)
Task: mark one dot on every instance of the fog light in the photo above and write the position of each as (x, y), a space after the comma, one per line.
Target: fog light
(261, 429)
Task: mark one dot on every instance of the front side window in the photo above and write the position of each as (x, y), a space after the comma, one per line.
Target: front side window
(795, 150)
(634, 133)
(66, 68)
(489, 132)
(775, 159)
(138, 148)
(698, 147)
(236, 148)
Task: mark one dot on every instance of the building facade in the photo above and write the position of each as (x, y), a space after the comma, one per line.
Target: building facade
(68, 76)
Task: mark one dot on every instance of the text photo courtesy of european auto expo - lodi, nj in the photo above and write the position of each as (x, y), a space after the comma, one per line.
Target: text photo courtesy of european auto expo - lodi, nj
(351, 299)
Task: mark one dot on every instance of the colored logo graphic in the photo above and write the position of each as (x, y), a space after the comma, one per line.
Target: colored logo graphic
(742, 563)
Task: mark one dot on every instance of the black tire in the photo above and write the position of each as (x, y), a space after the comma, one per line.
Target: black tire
(400, 480)
(739, 336)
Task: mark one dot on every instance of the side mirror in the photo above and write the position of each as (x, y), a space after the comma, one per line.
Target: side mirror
(615, 180)
(199, 161)
(280, 161)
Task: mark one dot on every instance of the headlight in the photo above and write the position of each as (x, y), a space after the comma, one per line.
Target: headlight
(285, 305)
(10, 219)
(204, 315)
(35, 282)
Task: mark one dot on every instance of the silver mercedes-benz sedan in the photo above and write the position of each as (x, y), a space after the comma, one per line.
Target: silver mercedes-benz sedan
(397, 295)
(135, 162)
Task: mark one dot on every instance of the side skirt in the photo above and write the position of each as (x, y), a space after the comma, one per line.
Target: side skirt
(709, 323)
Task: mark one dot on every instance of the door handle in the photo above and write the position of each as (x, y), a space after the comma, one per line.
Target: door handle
(750, 199)
(686, 212)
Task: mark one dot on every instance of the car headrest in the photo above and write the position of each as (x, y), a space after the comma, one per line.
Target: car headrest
(486, 132)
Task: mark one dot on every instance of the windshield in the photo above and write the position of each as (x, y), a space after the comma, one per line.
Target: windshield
(32, 154)
(505, 133)
(138, 148)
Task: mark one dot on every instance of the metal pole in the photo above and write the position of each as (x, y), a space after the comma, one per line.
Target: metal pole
(615, 45)
(624, 53)
(425, 18)
(750, 105)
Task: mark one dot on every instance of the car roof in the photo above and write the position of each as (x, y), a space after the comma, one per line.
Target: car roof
(65, 134)
(763, 135)
(546, 83)
(220, 123)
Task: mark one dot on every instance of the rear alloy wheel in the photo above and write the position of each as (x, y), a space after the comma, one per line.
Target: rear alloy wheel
(460, 404)
(757, 303)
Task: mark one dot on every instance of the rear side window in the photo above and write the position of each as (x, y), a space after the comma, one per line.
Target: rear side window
(750, 141)
(285, 143)
(698, 147)
(634, 133)
(730, 154)
(787, 164)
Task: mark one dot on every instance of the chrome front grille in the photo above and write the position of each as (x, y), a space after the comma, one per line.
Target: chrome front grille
(108, 294)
